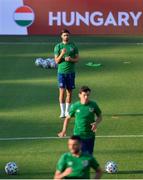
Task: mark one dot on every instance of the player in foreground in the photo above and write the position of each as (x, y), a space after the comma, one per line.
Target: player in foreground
(87, 117)
(75, 164)
(66, 55)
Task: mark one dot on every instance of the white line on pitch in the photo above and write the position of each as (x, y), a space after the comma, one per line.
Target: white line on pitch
(38, 138)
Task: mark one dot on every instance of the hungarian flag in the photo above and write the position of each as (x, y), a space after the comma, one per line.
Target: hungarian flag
(24, 16)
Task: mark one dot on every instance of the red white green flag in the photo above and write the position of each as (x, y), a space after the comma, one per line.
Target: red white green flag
(24, 16)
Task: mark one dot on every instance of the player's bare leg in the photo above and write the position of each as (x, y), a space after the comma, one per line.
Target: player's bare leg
(62, 102)
(68, 101)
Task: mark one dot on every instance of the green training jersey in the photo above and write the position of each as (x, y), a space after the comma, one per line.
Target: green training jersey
(65, 67)
(80, 165)
(84, 115)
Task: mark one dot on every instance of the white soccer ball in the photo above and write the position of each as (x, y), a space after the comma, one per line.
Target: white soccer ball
(11, 168)
(50, 60)
(45, 64)
(53, 65)
(38, 62)
(49, 63)
(111, 167)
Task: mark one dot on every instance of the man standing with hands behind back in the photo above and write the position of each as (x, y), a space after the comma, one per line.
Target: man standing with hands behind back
(66, 55)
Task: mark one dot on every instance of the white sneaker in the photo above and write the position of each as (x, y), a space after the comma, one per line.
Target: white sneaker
(62, 115)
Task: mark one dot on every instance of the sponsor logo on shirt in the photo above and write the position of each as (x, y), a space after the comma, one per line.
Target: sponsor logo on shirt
(71, 49)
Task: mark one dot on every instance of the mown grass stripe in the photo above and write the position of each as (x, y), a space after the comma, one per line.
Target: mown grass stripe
(55, 137)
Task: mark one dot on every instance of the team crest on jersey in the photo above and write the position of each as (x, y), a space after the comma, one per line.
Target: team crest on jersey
(85, 163)
(91, 109)
(71, 49)
(70, 163)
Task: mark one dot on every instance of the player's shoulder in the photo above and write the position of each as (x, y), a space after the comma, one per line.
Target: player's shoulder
(65, 155)
(76, 104)
(58, 45)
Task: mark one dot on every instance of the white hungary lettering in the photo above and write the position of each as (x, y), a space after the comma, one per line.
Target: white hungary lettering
(96, 18)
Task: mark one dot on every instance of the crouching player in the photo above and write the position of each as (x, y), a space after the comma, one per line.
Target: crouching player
(75, 164)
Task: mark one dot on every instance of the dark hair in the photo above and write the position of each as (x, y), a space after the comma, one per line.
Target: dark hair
(65, 31)
(84, 89)
(75, 137)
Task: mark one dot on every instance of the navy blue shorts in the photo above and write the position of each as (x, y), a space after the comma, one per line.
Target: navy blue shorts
(66, 81)
(88, 145)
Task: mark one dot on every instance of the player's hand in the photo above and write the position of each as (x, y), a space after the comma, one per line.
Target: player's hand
(93, 126)
(62, 134)
(68, 58)
(67, 171)
(62, 175)
(63, 51)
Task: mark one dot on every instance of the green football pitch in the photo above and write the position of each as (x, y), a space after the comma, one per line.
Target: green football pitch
(29, 108)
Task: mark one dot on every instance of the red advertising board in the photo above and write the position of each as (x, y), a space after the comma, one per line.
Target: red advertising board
(86, 16)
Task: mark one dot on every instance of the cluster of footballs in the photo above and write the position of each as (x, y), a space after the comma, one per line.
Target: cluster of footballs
(11, 168)
(48, 63)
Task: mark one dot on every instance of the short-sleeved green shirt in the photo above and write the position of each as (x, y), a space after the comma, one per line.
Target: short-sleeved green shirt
(84, 115)
(65, 67)
(80, 165)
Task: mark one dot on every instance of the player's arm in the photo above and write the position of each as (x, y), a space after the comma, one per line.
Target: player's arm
(98, 119)
(59, 57)
(61, 175)
(75, 59)
(95, 165)
(99, 173)
(65, 125)
(95, 124)
(61, 169)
